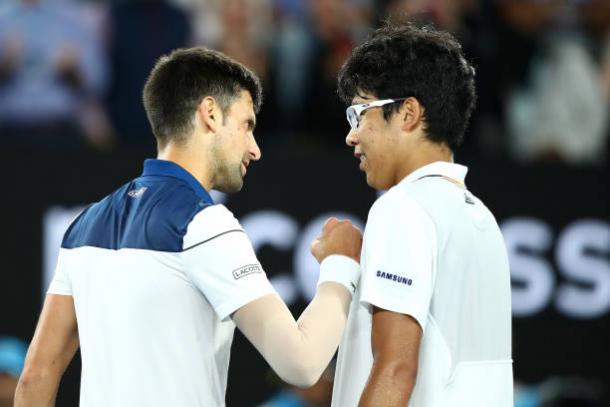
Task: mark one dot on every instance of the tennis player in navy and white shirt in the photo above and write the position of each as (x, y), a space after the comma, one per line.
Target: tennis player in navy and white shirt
(152, 280)
(157, 259)
(155, 270)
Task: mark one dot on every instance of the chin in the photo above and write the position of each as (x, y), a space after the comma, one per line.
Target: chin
(230, 188)
(228, 181)
(378, 184)
(372, 182)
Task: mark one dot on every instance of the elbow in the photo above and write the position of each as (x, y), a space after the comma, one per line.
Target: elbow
(308, 379)
(408, 373)
(304, 380)
(398, 371)
(25, 386)
(28, 380)
(302, 373)
(32, 379)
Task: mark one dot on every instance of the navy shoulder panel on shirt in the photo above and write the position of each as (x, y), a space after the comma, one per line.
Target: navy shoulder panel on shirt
(150, 213)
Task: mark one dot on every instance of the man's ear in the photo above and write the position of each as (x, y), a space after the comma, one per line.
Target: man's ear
(209, 113)
(412, 113)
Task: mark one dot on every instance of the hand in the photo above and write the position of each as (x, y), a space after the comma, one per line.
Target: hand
(11, 57)
(338, 237)
(96, 125)
(67, 68)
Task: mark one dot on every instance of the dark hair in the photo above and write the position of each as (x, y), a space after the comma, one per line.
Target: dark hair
(404, 61)
(180, 80)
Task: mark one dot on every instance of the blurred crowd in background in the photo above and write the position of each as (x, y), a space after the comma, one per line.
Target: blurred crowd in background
(72, 71)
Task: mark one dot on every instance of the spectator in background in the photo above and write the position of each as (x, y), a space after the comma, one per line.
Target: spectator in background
(52, 71)
(549, 82)
(246, 32)
(472, 23)
(520, 25)
(243, 30)
(307, 55)
(140, 31)
(561, 114)
(12, 356)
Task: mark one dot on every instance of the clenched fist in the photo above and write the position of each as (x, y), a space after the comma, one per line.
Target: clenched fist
(338, 237)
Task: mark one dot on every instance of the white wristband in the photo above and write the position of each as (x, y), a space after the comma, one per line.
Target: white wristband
(340, 269)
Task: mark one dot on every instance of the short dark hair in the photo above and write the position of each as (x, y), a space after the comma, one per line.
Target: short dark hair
(404, 61)
(180, 80)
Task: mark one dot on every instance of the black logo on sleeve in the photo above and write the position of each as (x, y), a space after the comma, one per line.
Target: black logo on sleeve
(468, 198)
(246, 271)
(394, 278)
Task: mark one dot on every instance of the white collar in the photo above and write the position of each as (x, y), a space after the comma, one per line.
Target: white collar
(454, 171)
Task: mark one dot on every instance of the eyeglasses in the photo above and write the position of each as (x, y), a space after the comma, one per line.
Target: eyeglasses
(354, 111)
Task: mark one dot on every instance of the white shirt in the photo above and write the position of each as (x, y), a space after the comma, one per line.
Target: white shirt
(432, 250)
(155, 271)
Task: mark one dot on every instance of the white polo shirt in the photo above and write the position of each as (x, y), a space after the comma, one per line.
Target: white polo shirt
(432, 250)
(155, 270)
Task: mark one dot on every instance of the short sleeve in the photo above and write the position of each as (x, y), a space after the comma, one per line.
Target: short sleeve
(221, 262)
(61, 283)
(399, 257)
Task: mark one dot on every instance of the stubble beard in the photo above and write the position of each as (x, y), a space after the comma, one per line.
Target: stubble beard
(227, 175)
(228, 178)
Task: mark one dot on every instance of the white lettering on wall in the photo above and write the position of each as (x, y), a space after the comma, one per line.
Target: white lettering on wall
(580, 253)
(528, 242)
(578, 287)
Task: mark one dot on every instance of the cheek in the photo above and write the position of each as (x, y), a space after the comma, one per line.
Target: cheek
(236, 140)
(366, 138)
(244, 143)
(373, 148)
(380, 154)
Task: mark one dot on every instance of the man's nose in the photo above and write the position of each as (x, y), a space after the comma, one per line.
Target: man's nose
(351, 139)
(255, 151)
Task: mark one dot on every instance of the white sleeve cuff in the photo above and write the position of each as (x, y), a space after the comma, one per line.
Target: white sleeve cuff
(340, 269)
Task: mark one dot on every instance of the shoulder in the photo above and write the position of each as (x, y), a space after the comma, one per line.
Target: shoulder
(88, 224)
(173, 202)
(397, 215)
(209, 223)
(140, 215)
(397, 203)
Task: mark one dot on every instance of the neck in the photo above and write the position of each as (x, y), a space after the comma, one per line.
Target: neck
(427, 154)
(186, 157)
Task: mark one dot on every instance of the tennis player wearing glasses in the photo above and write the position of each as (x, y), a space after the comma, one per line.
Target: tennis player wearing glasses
(430, 324)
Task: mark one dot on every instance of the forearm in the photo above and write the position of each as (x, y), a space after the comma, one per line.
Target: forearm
(320, 328)
(36, 390)
(299, 351)
(54, 344)
(390, 384)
